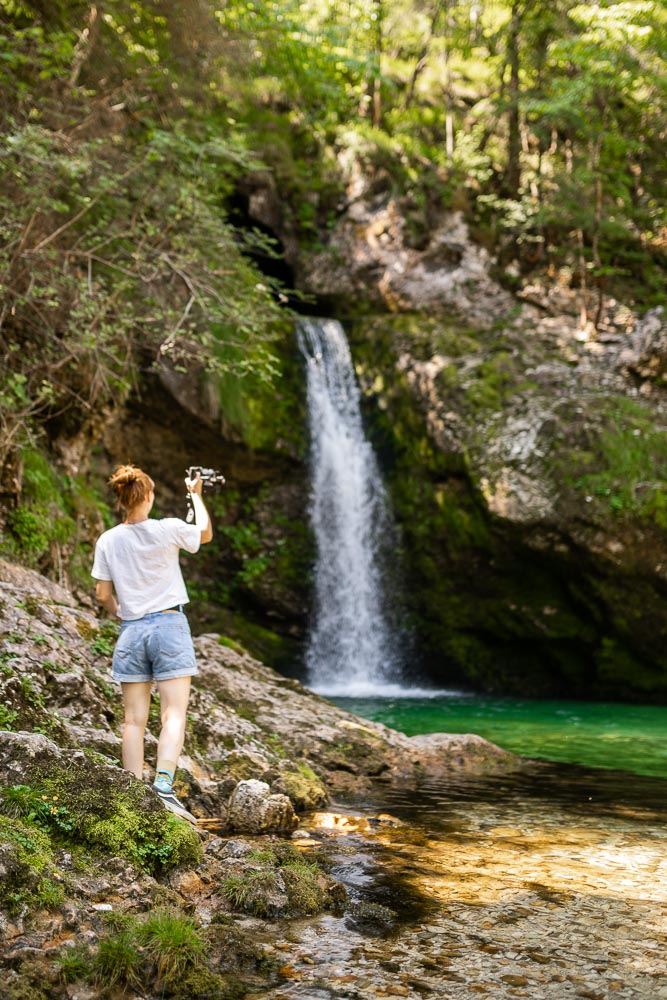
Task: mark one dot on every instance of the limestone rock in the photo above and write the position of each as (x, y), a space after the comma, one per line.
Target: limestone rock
(646, 354)
(370, 255)
(29, 581)
(465, 751)
(254, 809)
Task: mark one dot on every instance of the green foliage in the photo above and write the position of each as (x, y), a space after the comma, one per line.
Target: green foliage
(8, 717)
(173, 943)
(118, 960)
(105, 639)
(42, 519)
(105, 253)
(51, 526)
(36, 807)
(247, 545)
(164, 950)
(75, 963)
(622, 471)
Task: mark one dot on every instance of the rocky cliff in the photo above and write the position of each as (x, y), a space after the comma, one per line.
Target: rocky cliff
(524, 450)
(104, 889)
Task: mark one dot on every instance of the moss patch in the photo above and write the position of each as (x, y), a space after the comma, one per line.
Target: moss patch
(617, 460)
(107, 809)
(279, 882)
(28, 876)
(304, 787)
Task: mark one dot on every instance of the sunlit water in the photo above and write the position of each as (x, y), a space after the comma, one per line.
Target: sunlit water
(547, 882)
(597, 734)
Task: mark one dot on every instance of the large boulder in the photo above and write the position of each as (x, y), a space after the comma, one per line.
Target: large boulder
(371, 258)
(646, 353)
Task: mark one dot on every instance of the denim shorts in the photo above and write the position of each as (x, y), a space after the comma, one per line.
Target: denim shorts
(155, 647)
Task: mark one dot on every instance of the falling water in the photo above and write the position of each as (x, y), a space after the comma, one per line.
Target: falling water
(351, 648)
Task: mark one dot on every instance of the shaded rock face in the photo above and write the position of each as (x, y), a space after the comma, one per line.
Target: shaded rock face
(528, 469)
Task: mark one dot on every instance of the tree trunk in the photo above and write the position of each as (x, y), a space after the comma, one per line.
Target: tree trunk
(85, 44)
(377, 77)
(422, 60)
(597, 260)
(583, 309)
(449, 117)
(513, 173)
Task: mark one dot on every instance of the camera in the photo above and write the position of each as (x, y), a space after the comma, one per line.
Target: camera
(211, 479)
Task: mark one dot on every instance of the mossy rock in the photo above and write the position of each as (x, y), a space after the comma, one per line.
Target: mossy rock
(28, 876)
(200, 981)
(303, 786)
(33, 980)
(23, 708)
(539, 608)
(370, 919)
(280, 882)
(99, 804)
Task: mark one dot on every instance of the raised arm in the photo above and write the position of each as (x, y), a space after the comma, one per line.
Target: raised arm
(202, 519)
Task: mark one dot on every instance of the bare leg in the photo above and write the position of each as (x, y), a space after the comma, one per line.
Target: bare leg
(137, 702)
(174, 697)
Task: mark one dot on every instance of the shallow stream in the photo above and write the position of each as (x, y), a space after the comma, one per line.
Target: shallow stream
(549, 882)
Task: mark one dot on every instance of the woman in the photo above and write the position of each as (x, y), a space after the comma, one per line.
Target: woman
(139, 560)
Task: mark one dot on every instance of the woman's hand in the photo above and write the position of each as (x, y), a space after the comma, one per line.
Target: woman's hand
(194, 485)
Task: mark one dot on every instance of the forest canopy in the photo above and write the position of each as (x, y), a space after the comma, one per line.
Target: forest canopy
(129, 126)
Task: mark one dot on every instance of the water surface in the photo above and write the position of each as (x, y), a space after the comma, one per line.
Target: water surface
(597, 734)
(546, 883)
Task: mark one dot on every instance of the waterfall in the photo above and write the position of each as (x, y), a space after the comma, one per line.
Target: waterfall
(352, 649)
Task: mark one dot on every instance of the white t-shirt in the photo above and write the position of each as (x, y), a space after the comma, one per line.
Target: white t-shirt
(141, 560)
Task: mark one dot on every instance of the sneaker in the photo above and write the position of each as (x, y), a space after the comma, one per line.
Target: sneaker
(173, 805)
